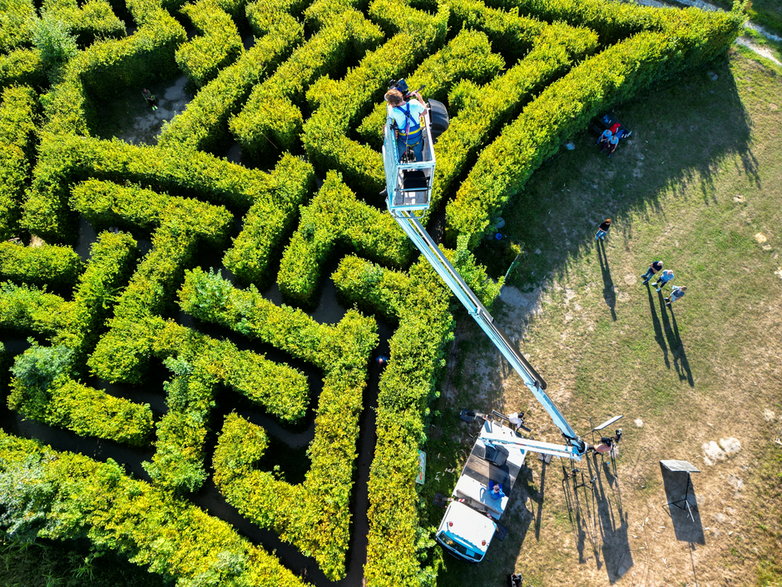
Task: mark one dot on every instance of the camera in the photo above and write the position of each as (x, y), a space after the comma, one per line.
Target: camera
(401, 85)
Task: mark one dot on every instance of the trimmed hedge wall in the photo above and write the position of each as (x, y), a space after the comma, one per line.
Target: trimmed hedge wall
(66, 159)
(17, 130)
(64, 496)
(45, 264)
(92, 20)
(202, 124)
(340, 104)
(202, 57)
(335, 215)
(314, 516)
(557, 48)
(26, 308)
(198, 364)
(270, 116)
(122, 354)
(397, 551)
(269, 219)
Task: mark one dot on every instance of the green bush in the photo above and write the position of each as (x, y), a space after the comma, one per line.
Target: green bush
(269, 219)
(202, 57)
(70, 496)
(22, 66)
(202, 124)
(123, 352)
(52, 37)
(340, 104)
(335, 215)
(17, 129)
(94, 19)
(45, 264)
(16, 16)
(564, 108)
(555, 50)
(314, 516)
(24, 308)
(270, 116)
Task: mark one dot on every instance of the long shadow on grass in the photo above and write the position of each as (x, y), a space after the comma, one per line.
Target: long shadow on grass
(679, 356)
(675, 343)
(658, 330)
(609, 291)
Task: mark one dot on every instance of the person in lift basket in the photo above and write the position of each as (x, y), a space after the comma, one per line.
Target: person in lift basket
(407, 119)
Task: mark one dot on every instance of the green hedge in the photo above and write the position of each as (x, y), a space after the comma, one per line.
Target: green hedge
(66, 159)
(421, 304)
(202, 124)
(335, 215)
(22, 66)
(314, 516)
(280, 389)
(92, 20)
(566, 106)
(557, 48)
(25, 308)
(202, 57)
(340, 104)
(269, 219)
(15, 18)
(122, 353)
(467, 56)
(39, 265)
(63, 496)
(17, 130)
(270, 116)
(199, 363)
(399, 548)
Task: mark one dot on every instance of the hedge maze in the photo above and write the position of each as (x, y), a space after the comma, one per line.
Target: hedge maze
(169, 270)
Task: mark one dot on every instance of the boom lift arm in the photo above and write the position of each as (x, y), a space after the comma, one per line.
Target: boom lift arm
(408, 192)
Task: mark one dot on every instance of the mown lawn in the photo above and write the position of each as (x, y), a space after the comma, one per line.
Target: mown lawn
(700, 187)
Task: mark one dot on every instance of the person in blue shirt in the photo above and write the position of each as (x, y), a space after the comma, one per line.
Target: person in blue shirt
(677, 293)
(407, 118)
(664, 278)
(495, 490)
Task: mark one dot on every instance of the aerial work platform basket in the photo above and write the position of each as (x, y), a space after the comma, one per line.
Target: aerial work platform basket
(408, 185)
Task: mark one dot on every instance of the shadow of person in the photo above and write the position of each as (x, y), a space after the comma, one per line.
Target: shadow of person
(658, 330)
(612, 523)
(609, 292)
(679, 355)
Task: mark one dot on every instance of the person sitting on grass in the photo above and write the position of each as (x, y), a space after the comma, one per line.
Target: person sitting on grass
(602, 140)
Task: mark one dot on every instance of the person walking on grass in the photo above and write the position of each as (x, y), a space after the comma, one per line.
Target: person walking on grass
(653, 268)
(664, 278)
(677, 293)
(602, 229)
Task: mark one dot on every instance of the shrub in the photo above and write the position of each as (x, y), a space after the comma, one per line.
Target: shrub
(314, 516)
(25, 308)
(94, 19)
(202, 57)
(22, 66)
(340, 104)
(54, 40)
(269, 219)
(122, 353)
(79, 497)
(270, 115)
(563, 108)
(17, 129)
(336, 215)
(45, 264)
(202, 123)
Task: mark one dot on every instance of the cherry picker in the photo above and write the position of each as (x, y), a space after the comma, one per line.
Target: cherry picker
(499, 452)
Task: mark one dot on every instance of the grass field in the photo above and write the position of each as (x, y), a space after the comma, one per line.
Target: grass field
(699, 186)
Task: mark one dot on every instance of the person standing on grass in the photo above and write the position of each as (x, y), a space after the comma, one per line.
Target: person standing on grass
(653, 268)
(602, 230)
(677, 293)
(664, 278)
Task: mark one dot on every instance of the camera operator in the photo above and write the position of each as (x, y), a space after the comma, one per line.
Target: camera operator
(407, 118)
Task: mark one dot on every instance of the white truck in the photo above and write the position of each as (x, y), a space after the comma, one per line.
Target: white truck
(469, 523)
